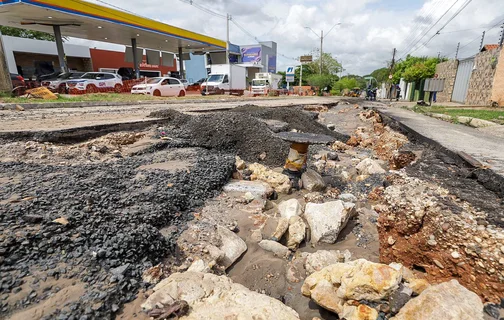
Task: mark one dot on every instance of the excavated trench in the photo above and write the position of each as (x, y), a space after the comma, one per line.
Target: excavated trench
(83, 213)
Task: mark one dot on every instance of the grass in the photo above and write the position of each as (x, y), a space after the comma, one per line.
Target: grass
(484, 114)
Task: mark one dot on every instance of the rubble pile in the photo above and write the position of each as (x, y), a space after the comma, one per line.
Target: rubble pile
(423, 226)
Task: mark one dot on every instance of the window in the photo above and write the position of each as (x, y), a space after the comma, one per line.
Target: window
(174, 81)
(154, 80)
(107, 76)
(226, 80)
(164, 82)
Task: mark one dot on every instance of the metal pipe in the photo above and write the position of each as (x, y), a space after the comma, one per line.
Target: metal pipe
(135, 57)
(59, 47)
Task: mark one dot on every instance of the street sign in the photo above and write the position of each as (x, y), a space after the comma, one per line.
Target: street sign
(304, 59)
(290, 71)
(289, 78)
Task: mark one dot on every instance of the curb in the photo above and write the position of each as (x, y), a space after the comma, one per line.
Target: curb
(85, 104)
(485, 176)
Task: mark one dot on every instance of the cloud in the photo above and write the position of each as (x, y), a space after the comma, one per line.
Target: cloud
(364, 41)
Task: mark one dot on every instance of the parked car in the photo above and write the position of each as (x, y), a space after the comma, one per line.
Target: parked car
(160, 87)
(46, 76)
(126, 73)
(17, 80)
(59, 83)
(93, 82)
(185, 83)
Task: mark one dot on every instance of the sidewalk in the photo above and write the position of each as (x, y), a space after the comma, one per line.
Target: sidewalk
(486, 148)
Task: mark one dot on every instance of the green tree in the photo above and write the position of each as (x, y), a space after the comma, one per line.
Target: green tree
(23, 33)
(347, 82)
(415, 68)
(321, 80)
(329, 65)
(381, 75)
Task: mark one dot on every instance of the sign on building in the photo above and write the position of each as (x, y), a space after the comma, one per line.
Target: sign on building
(251, 55)
(289, 74)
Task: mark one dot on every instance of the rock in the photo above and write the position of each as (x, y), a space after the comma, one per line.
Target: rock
(455, 255)
(290, 208)
(479, 123)
(333, 156)
(248, 197)
(347, 197)
(215, 253)
(262, 156)
(326, 220)
(120, 270)
(240, 164)
(331, 126)
(315, 197)
(43, 156)
(19, 108)
(320, 165)
(214, 297)
(360, 312)
(256, 235)
(492, 310)
(399, 298)
(282, 226)
(322, 258)
(312, 181)
(369, 167)
(278, 181)
(357, 280)
(232, 246)
(447, 301)
(296, 233)
(62, 221)
(391, 241)
(198, 266)
(258, 188)
(275, 247)
(153, 275)
(276, 125)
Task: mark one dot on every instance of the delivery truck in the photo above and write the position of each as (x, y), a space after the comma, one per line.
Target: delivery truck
(225, 78)
(264, 82)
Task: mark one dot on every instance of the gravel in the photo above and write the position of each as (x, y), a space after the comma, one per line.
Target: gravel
(114, 213)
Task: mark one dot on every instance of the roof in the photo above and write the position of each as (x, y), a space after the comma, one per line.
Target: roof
(489, 47)
(82, 19)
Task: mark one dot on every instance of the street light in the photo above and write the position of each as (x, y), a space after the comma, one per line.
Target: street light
(322, 40)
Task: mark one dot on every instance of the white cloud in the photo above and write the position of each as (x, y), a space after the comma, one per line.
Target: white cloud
(370, 28)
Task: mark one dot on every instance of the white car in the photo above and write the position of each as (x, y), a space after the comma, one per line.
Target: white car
(59, 83)
(93, 82)
(160, 87)
(185, 83)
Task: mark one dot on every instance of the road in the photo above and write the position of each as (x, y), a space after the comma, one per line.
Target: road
(64, 118)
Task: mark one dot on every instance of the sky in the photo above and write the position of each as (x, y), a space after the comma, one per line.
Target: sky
(369, 30)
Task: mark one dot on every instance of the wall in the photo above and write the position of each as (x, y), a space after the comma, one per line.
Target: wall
(115, 60)
(446, 70)
(482, 78)
(195, 68)
(498, 82)
(27, 62)
(15, 44)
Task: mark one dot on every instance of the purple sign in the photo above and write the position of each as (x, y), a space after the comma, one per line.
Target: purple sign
(272, 64)
(251, 55)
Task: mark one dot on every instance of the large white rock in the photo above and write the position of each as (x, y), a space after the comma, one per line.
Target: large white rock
(326, 220)
(257, 188)
(312, 181)
(369, 166)
(232, 246)
(296, 233)
(290, 208)
(447, 301)
(278, 249)
(212, 297)
(282, 226)
(278, 181)
(322, 258)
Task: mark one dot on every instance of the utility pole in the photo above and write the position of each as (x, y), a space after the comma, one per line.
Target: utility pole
(321, 52)
(438, 56)
(501, 40)
(392, 65)
(300, 74)
(456, 53)
(228, 17)
(482, 41)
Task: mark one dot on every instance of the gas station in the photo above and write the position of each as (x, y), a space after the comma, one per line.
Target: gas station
(89, 21)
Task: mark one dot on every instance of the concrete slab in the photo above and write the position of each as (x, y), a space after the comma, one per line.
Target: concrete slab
(486, 148)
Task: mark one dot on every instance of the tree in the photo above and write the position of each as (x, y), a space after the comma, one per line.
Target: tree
(381, 75)
(23, 33)
(414, 69)
(321, 81)
(329, 65)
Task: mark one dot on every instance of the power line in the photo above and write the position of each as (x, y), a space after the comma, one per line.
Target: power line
(425, 33)
(205, 9)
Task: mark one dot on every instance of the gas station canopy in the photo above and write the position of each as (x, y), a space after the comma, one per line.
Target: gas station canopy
(85, 20)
